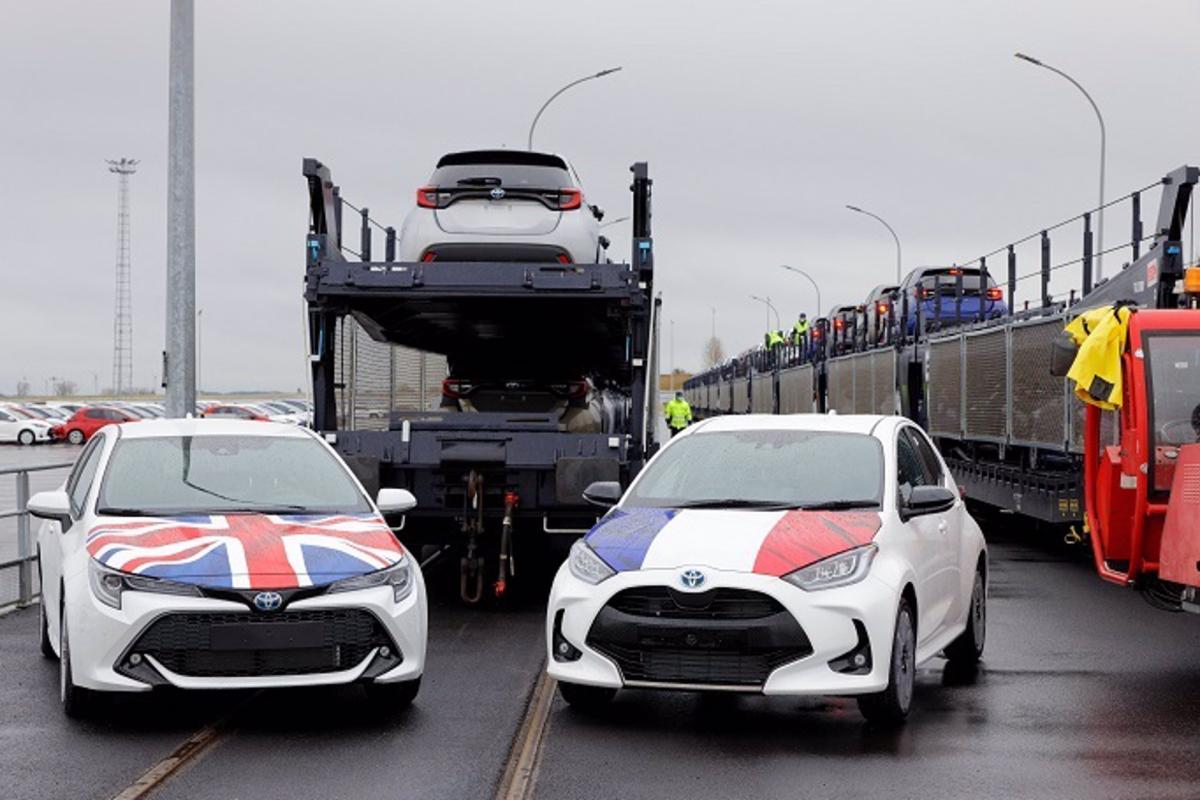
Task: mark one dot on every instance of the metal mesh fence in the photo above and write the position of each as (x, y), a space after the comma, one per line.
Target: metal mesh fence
(762, 394)
(1038, 411)
(741, 403)
(375, 379)
(944, 387)
(863, 385)
(796, 390)
(987, 384)
(840, 388)
(883, 382)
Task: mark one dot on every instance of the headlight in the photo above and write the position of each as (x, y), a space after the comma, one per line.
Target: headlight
(398, 576)
(840, 570)
(586, 565)
(108, 584)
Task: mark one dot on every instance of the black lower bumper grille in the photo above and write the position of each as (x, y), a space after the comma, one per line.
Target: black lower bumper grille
(658, 635)
(248, 644)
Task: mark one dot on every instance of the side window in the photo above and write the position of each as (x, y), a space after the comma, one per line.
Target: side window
(910, 471)
(85, 472)
(933, 467)
(5, 417)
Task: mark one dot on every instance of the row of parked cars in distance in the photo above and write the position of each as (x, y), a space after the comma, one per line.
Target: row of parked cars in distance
(76, 422)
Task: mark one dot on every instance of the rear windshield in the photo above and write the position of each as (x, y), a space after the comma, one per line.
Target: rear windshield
(510, 176)
(226, 474)
(945, 279)
(785, 467)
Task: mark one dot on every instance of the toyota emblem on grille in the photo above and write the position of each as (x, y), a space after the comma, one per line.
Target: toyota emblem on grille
(268, 601)
(497, 193)
(692, 578)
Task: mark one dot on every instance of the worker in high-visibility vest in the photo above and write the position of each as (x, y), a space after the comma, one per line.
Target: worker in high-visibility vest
(679, 413)
(799, 329)
(773, 339)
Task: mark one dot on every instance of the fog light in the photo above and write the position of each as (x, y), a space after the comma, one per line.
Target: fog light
(856, 661)
(135, 659)
(385, 652)
(563, 650)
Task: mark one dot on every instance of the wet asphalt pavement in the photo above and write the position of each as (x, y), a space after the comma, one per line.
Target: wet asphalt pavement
(1085, 692)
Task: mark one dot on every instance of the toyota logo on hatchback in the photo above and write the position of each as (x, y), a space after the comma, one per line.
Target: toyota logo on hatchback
(497, 193)
(268, 601)
(692, 578)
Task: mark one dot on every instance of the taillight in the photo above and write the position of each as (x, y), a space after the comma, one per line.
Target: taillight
(995, 293)
(881, 308)
(955, 271)
(569, 199)
(430, 255)
(927, 294)
(427, 197)
(456, 388)
(563, 258)
(839, 323)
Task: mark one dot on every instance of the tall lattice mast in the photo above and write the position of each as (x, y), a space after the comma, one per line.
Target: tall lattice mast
(122, 356)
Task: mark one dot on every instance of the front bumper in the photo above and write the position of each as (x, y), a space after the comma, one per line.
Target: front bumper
(103, 639)
(825, 618)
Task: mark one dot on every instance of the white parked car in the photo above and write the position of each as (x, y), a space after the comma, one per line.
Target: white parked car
(22, 428)
(783, 555)
(502, 205)
(222, 554)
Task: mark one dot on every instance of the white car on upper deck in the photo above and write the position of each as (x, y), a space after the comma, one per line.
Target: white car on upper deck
(782, 555)
(224, 554)
(502, 205)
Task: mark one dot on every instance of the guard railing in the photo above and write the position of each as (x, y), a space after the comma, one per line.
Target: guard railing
(26, 552)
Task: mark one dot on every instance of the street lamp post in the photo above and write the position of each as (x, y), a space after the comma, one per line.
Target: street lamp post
(899, 276)
(1100, 119)
(816, 288)
(199, 347)
(770, 308)
(576, 82)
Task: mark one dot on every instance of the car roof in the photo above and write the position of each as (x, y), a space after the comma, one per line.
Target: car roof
(868, 424)
(151, 428)
(502, 157)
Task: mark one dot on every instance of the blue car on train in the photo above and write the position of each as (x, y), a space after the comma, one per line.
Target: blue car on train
(935, 291)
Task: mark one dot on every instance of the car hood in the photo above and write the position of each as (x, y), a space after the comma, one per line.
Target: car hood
(763, 542)
(246, 551)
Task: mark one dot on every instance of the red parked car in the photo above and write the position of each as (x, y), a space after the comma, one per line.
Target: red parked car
(233, 411)
(86, 421)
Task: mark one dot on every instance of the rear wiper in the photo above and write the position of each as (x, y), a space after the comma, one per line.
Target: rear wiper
(731, 502)
(478, 181)
(839, 505)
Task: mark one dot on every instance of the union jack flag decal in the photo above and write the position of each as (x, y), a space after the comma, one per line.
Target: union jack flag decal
(247, 551)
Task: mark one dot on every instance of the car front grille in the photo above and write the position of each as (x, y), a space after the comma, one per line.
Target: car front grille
(662, 602)
(253, 644)
(727, 637)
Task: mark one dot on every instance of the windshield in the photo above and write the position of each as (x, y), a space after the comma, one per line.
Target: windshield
(765, 468)
(1173, 364)
(226, 474)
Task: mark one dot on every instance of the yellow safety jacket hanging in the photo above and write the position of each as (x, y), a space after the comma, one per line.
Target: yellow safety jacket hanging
(1096, 371)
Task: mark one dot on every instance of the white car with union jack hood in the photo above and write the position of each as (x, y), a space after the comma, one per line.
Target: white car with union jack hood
(213, 554)
(782, 555)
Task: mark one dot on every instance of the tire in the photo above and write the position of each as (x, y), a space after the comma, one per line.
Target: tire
(26, 438)
(393, 696)
(891, 706)
(588, 699)
(968, 647)
(76, 437)
(44, 642)
(76, 701)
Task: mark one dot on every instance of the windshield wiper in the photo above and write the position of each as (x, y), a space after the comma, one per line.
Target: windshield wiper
(733, 502)
(839, 505)
(117, 511)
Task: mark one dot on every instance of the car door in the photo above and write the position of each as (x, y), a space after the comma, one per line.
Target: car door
(927, 549)
(8, 427)
(950, 524)
(937, 532)
(51, 535)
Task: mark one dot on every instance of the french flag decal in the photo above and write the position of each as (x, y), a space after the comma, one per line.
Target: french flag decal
(801, 538)
(623, 537)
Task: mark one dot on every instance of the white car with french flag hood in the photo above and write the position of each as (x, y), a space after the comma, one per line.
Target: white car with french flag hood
(781, 555)
(224, 554)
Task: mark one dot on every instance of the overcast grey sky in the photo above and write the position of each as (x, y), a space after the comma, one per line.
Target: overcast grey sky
(759, 120)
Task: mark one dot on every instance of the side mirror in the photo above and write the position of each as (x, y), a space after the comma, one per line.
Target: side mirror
(928, 500)
(603, 493)
(53, 505)
(1062, 355)
(395, 501)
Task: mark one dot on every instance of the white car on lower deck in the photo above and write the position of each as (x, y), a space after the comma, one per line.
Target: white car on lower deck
(782, 555)
(224, 554)
(504, 206)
